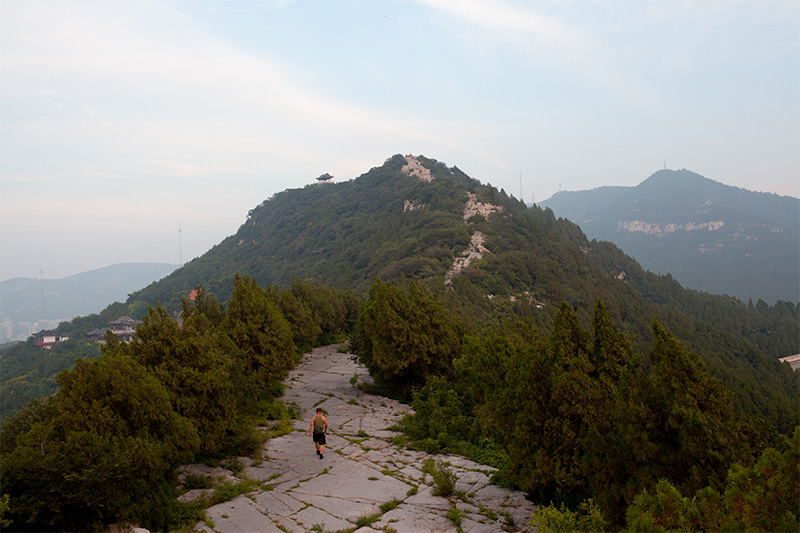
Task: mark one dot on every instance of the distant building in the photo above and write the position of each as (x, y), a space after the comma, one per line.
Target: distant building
(324, 178)
(124, 328)
(793, 360)
(45, 339)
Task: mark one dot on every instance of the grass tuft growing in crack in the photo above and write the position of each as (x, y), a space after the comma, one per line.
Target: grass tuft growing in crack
(444, 479)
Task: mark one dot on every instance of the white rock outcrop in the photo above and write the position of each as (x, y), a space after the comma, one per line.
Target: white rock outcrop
(414, 168)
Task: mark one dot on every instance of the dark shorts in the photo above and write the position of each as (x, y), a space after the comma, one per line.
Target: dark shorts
(319, 438)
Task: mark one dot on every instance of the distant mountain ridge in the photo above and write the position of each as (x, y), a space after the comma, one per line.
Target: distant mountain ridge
(709, 236)
(80, 294)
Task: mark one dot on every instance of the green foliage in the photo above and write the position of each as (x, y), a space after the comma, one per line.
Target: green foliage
(97, 451)
(444, 480)
(388, 506)
(4, 509)
(30, 373)
(197, 481)
(406, 336)
(194, 364)
(588, 517)
(575, 412)
(578, 415)
(438, 415)
(367, 519)
(696, 425)
(762, 497)
(455, 515)
(347, 234)
(256, 325)
(104, 447)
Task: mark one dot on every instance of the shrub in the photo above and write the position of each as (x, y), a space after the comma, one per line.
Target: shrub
(588, 517)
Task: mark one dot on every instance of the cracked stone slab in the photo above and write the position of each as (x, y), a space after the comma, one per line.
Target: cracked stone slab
(362, 469)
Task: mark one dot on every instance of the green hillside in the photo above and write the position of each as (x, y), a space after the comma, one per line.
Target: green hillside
(392, 225)
(585, 379)
(709, 236)
(389, 224)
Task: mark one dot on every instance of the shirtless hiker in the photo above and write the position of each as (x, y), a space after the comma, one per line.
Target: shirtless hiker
(319, 428)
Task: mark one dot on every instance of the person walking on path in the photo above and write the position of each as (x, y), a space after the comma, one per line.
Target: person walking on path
(319, 428)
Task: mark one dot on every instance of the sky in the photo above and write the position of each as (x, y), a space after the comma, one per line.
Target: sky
(144, 130)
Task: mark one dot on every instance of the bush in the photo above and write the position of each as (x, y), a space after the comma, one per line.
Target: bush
(588, 517)
(444, 479)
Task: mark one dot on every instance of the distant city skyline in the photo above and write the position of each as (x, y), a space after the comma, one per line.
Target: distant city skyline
(144, 131)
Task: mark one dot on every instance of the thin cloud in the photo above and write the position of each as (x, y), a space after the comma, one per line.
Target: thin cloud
(516, 23)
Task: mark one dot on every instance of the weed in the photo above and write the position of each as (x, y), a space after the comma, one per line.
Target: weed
(399, 440)
(456, 516)
(443, 478)
(388, 506)
(195, 481)
(284, 427)
(413, 490)
(362, 433)
(488, 513)
(235, 466)
(228, 490)
(367, 520)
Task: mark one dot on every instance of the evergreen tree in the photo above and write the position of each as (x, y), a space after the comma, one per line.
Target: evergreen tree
(254, 322)
(693, 417)
(193, 362)
(97, 451)
(404, 337)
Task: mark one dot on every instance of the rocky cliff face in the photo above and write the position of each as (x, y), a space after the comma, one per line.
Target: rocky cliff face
(659, 229)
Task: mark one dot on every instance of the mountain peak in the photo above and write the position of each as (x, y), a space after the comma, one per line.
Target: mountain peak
(710, 236)
(680, 185)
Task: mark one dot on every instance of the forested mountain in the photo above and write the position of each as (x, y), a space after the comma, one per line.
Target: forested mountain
(491, 257)
(584, 378)
(709, 236)
(81, 294)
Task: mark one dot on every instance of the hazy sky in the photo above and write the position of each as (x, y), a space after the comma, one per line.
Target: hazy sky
(121, 120)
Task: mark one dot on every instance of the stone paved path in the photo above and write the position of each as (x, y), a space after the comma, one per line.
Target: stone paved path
(361, 470)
